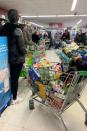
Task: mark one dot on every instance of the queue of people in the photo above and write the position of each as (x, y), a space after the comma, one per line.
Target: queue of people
(80, 38)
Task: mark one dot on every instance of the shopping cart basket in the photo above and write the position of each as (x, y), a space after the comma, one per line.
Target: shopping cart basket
(59, 93)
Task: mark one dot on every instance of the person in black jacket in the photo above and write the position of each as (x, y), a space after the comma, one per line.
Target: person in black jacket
(16, 50)
(79, 62)
(35, 37)
(85, 39)
(79, 37)
(66, 35)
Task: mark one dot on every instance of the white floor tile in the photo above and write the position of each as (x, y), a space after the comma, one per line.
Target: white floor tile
(10, 128)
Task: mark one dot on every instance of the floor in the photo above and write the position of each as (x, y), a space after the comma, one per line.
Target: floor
(20, 118)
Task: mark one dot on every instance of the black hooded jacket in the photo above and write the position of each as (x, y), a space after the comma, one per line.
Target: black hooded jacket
(16, 48)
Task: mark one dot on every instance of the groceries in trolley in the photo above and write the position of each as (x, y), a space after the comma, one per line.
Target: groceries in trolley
(73, 56)
(50, 83)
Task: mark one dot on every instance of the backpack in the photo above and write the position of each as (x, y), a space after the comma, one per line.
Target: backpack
(14, 54)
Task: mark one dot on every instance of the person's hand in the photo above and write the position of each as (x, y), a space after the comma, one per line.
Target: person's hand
(24, 65)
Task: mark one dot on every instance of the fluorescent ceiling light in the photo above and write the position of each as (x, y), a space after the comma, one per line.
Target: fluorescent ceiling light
(40, 16)
(37, 25)
(47, 16)
(27, 16)
(83, 15)
(53, 16)
(65, 15)
(77, 23)
(74, 5)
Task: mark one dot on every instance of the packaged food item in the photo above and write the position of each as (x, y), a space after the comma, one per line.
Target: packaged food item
(42, 64)
(63, 56)
(70, 47)
(48, 89)
(59, 95)
(42, 90)
(45, 63)
(55, 102)
(58, 103)
(33, 74)
(38, 65)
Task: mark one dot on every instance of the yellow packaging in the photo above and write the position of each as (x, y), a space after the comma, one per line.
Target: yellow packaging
(57, 75)
(42, 90)
(72, 46)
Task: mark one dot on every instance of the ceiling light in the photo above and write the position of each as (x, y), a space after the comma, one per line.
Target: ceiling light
(53, 16)
(27, 16)
(65, 15)
(83, 15)
(47, 16)
(74, 5)
(77, 23)
(37, 25)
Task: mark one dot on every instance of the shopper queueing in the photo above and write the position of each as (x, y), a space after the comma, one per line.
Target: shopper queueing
(36, 37)
(66, 35)
(16, 50)
(79, 37)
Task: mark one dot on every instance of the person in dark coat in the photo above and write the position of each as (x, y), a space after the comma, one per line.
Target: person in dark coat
(79, 37)
(16, 50)
(66, 35)
(85, 39)
(79, 62)
(35, 37)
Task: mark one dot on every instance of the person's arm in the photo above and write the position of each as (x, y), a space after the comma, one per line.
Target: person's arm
(69, 36)
(75, 39)
(2, 31)
(20, 41)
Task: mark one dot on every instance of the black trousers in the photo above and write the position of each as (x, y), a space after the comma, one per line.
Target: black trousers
(15, 70)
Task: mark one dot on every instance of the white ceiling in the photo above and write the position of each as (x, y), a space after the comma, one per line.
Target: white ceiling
(48, 7)
(66, 21)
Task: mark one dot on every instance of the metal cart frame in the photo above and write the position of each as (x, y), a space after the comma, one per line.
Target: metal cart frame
(75, 89)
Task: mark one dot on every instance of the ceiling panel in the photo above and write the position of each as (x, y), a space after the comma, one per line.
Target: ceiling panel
(44, 7)
(81, 7)
(48, 7)
(66, 21)
(36, 7)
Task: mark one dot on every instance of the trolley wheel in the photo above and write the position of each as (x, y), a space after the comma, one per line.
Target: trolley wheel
(86, 119)
(78, 95)
(31, 104)
(43, 101)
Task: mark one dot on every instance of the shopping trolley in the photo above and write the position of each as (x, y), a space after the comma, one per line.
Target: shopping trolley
(58, 92)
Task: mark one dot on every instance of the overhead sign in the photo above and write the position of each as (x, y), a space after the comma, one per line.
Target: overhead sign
(56, 25)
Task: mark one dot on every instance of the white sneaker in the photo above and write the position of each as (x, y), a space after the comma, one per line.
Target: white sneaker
(17, 101)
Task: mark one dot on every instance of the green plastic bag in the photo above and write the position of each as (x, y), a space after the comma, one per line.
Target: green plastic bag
(30, 62)
(23, 73)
